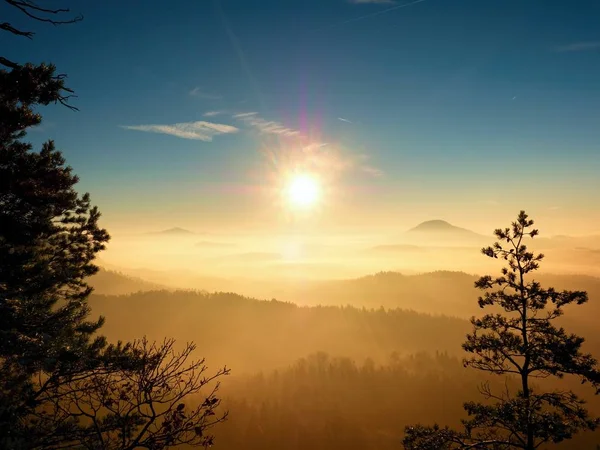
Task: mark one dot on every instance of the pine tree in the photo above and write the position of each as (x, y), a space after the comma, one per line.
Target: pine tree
(523, 342)
(49, 236)
(53, 365)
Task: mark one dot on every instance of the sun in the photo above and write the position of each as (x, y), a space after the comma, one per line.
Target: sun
(303, 190)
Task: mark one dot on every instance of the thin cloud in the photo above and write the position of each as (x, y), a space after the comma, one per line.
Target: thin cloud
(393, 8)
(377, 2)
(266, 126)
(200, 131)
(199, 93)
(243, 115)
(579, 47)
(213, 113)
(373, 171)
(330, 159)
(344, 120)
(362, 163)
(302, 152)
(314, 147)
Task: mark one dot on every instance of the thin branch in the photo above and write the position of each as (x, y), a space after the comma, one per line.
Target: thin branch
(30, 8)
(5, 26)
(8, 63)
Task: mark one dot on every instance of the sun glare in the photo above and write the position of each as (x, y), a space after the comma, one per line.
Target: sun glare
(303, 190)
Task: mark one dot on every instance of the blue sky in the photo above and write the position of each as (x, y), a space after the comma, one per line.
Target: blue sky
(461, 109)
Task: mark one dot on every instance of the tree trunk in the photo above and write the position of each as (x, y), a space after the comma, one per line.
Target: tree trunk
(525, 370)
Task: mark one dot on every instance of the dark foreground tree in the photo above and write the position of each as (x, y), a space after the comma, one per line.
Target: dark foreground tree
(49, 237)
(523, 343)
(166, 400)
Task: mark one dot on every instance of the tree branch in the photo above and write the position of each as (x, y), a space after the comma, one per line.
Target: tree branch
(32, 10)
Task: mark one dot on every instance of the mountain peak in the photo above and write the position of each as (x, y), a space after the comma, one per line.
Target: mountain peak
(440, 229)
(434, 225)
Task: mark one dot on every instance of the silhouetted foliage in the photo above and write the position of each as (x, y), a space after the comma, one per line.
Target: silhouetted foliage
(524, 342)
(53, 368)
(144, 405)
(49, 236)
(310, 383)
(28, 84)
(32, 10)
(323, 402)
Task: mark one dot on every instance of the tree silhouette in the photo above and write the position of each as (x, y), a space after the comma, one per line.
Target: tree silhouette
(52, 363)
(31, 9)
(49, 236)
(524, 343)
(38, 84)
(145, 405)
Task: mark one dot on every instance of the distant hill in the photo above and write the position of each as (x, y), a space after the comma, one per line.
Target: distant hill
(443, 227)
(449, 293)
(255, 334)
(180, 279)
(440, 232)
(248, 334)
(110, 282)
(440, 292)
(175, 231)
(435, 226)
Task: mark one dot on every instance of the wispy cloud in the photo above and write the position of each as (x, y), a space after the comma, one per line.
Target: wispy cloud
(243, 115)
(579, 47)
(344, 120)
(362, 163)
(384, 11)
(332, 159)
(213, 113)
(394, 6)
(303, 152)
(373, 171)
(201, 131)
(199, 93)
(266, 126)
(378, 2)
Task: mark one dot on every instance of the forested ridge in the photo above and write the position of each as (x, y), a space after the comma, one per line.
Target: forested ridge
(320, 376)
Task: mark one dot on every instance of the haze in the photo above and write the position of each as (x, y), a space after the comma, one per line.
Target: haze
(303, 188)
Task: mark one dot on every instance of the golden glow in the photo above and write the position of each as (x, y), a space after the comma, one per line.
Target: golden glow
(303, 190)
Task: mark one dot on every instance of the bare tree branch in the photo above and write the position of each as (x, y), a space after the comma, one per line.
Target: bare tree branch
(5, 26)
(32, 10)
(166, 400)
(7, 63)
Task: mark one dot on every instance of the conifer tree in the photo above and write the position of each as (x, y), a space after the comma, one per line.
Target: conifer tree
(523, 342)
(49, 236)
(53, 365)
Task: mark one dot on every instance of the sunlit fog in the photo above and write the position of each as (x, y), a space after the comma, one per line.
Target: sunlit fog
(300, 225)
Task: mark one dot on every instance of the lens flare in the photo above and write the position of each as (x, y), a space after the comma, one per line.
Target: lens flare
(303, 190)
